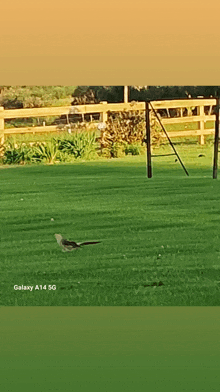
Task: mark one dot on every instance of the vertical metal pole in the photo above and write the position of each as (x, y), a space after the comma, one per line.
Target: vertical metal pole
(147, 118)
(215, 162)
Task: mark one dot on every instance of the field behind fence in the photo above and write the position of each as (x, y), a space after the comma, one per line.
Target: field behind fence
(174, 113)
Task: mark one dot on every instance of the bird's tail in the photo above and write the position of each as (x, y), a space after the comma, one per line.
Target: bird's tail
(89, 243)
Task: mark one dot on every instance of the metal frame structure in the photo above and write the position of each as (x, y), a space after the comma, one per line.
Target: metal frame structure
(148, 108)
(148, 141)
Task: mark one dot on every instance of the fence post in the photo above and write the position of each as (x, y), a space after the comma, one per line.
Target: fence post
(126, 94)
(201, 125)
(104, 114)
(2, 125)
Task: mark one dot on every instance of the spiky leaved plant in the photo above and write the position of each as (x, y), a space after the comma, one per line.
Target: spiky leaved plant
(16, 153)
(46, 152)
(80, 144)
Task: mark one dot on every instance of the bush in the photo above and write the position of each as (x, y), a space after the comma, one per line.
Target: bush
(122, 136)
(134, 149)
(65, 148)
(80, 144)
(125, 129)
(17, 153)
(35, 96)
(46, 152)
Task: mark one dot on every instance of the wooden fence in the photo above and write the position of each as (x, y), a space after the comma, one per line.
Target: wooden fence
(187, 111)
(171, 112)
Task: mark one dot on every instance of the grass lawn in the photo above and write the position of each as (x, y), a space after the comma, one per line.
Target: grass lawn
(160, 237)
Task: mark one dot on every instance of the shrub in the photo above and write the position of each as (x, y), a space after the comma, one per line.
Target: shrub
(116, 150)
(46, 152)
(128, 128)
(17, 154)
(83, 95)
(156, 131)
(134, 149)
(65, 148)
(124, 134)
(34, 96)
(80, 144)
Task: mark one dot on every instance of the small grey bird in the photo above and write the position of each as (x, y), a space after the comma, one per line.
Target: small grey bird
(70, 245)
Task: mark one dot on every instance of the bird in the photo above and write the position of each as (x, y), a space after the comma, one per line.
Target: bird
(70, 245)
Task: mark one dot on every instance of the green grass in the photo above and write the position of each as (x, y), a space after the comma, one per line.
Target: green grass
(160, 242)
(189, 126)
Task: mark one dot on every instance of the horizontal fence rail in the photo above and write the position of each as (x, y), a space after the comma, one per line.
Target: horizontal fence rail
(171, 112)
